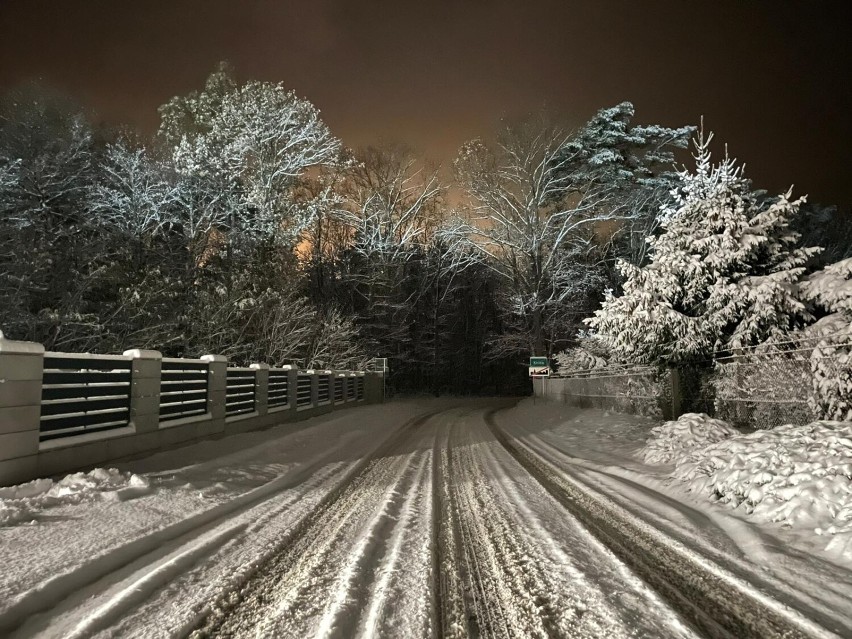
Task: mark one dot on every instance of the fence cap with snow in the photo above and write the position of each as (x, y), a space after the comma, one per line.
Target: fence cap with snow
(259, 366)
(10, 346)
(139, 353)
(214, 358)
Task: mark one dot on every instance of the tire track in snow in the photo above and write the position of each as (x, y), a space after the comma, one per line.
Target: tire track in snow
(796, 593)
(99, 593)
(334, 569)
(530, 569)
(155, 558)
(709, 601)
(572, 576)
(448, 599)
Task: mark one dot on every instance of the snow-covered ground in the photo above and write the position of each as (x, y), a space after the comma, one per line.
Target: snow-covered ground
(145, 566)
(606, 452)
(393, 520)
(799, 476)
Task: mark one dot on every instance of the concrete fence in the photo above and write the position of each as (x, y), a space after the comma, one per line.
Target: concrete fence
(62, 412)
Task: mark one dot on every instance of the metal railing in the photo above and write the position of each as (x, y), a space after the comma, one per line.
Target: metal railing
(240, 391)
(84, 393)
(303, 390)
(279, 392)
(183, 388)
(323, 394)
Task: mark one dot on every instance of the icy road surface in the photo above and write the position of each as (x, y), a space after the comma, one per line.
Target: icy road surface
(423, 518)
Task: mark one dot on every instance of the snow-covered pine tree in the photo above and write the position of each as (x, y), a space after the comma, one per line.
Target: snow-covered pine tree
(722, 274)
(590, 352)
(830, 290)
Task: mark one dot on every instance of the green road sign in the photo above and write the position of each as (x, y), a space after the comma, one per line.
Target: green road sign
(538, 361)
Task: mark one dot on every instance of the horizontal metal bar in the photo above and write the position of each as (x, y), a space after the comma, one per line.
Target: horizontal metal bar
(80, 430)
(85, 406)
(66, 421)
(186, 413)
(195, 394)
(187, 406)
(185, 360)
(74, 391)
(86, 356)
(82, 377)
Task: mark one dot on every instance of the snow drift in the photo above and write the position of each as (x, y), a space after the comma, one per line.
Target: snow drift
(799, 476)
(23, 502)
(691, 431)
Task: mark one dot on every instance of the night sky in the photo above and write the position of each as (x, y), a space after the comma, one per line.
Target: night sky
(773, 79)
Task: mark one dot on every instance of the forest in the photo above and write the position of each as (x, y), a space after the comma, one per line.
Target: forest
(246, 228)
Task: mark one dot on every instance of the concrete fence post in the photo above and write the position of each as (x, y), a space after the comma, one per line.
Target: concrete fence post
(374, 388)
(145, 375)
(217, 387)
(293, 389)
(21, 369)
(261, 388)
(314, 387)
(332, 389)
(329, 375)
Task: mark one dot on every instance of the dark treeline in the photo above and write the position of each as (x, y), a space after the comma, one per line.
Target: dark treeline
(245, 228)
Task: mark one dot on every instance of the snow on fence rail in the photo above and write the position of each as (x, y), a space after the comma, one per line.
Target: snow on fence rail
(67, 411)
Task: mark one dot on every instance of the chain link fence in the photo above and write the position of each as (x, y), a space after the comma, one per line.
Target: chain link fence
(764, 388)
(757, 388)
(637, 390)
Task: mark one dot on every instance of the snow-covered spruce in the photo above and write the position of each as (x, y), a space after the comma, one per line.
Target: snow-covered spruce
(831, 360)
(691, 431)
(800, 476)
(722, 274)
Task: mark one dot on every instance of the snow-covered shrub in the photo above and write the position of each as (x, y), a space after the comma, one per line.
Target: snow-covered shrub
(800, 476)
(722, 274)
(691, 431)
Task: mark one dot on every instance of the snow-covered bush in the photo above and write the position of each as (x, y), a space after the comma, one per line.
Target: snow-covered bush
(691, 431)
(800, 476)
(722, 274)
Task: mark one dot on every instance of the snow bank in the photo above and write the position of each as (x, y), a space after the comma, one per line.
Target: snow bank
(691, 431)
(23, 502)
(800, 476)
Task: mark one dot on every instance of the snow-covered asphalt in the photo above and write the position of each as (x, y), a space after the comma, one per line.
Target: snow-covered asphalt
(418, 519)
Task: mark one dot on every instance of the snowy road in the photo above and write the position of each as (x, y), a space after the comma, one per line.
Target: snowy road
(443, 519)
